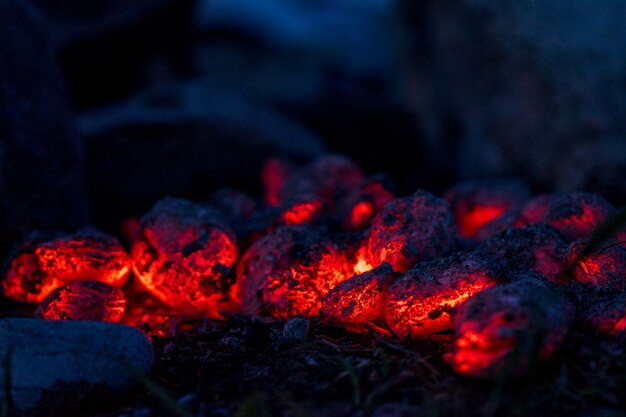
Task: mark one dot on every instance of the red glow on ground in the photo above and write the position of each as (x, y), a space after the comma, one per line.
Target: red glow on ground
(471, 221)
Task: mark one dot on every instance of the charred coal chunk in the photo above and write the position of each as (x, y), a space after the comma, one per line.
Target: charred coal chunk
(274, 174)
(504, 330)
(287, 272)
(575, 215)
(45, 261)
(246, 216)
(184, 254)
(607, 315)
(327, 178)
(299, 211)
(359, 299)
(361, 204)
(84, 300)
(409, 230)
(536, 248)
(23, 280)
(85, 256)
(421, 302)
(478, 203)
(605, 268)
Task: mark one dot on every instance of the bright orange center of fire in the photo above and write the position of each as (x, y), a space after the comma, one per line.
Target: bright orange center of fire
(361, 214)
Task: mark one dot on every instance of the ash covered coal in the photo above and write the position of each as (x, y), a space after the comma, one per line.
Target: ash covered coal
(504, 330)
(84, 300)
(536, 248)
(420, 303)
(183, 255)
(477, 204)
(328, 242)
(409, 230)
(574, 215)
(287, 272)
(360, 298)
(45, 261)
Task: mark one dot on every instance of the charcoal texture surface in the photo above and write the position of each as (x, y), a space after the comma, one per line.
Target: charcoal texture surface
(420, 303)
(359, 299)
(411, 229)
(536, 248)
(288, 271)
(42, 262)
(183, 255)
(503, 330)
(84, 300)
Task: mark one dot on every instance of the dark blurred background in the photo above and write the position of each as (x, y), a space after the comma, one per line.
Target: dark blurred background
(179, 97)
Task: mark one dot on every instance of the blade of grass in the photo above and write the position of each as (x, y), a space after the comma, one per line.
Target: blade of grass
(166, 399)
(8, 382)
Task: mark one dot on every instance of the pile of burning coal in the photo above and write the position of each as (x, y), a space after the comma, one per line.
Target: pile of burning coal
(487, 261)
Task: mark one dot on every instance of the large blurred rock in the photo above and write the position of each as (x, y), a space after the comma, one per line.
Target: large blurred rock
(52, 368)
(110, 48)
(41, 160)
(184, 140)
(523, 87)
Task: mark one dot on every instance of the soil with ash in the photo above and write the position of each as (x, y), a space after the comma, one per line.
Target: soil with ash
(248, 368)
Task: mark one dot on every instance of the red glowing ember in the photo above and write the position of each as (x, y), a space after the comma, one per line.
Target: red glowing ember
(84, 300)
(421, 301)
(287, 272)
(608, 316)
(359, 299)
(42, 263)
(86, 256)
(574, 215)
(604, 268)
(183, 255)
(475, 204)
(274, 175)
(410, 230)
(327, 179)
(536, 248)
(300, 212)
(358, 207)
(503, 330)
